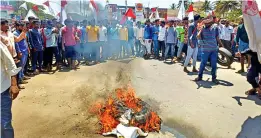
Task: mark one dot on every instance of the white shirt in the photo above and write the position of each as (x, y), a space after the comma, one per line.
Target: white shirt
(10, 38)
(227, 32)
(8, 67)
(162, 32)
(102, 33)
(138, 32)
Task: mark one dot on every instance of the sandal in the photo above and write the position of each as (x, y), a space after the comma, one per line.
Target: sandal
(251, 92)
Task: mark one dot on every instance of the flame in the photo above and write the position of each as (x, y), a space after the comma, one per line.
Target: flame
(108, 113)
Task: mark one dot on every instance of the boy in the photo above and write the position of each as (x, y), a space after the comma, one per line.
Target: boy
(171, 40)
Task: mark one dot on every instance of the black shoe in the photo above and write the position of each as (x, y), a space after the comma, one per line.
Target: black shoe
(215, 81)
(198, 79)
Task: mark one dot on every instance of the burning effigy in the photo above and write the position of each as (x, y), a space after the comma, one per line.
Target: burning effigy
(126, 115)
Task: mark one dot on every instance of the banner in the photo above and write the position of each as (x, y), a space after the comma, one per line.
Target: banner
(139, 12)
(172, 14)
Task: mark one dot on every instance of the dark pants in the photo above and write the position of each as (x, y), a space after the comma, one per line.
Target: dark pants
(23, 61)
(45, 58)
(138, 47)
(50, 51)
(156, 48)
(162, 47)
(37, 58)
(7, 130)
(253, 75)
(204, 59)
(227, 45)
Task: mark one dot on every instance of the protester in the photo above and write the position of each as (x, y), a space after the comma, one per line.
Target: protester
(124, 41)
(138, 33)
(23, 52)
(192, 44)
(209, 37)
(161, 38)
(171, 41)
(83, 40)
(243, 45)
(103, 40)
(181, 37)
(9, 89)
(131, 37)
(93, 32)
(155, 36)
(51, 34)
(148, 38)
(69, 38)
(114, 41)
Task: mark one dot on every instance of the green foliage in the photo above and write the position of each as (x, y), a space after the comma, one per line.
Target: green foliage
(173, 6)
(234, 15)
(207, 6)
(222, 7)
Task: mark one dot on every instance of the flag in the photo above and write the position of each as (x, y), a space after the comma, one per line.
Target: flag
(252, 21)
(35, 8)
(46, 3)
(190, 12)
(260, 13)
(63, 3)
(23, 6)
(129, 13)
(94, 5)
(154, 13)
(181, 13)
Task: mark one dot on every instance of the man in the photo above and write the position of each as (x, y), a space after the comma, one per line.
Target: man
(209, 36)
(124, 41)
(114, 41)
(131, 37)
(93, 33)
(51, 35)
(77, 46)
(138, 33)
(161, 38)
(103, 40)
(23, 51)
(227, 33)
(31, 19)
(242, 44)
(155, 35)
(36, 41)
(181, 36)
(9, 89)
(69, 38)
(148, 38)
(83, 41)
(192, 44)
(171, 40)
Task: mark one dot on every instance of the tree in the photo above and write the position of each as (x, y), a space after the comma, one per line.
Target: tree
(207, 6)
(173, 6)
(223, 7)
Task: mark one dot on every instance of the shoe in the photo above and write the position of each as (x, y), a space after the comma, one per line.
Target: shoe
(21, 87)
(215, 81)
(240, 71)
(26, 78)
(194, 70)
(198, 79)
(36, 73)
(23, 82)
(186, 70)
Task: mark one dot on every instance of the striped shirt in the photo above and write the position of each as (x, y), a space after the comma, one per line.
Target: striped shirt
(208, 40)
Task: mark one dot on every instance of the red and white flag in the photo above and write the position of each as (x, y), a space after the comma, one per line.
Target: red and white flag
(252, 21)
(154, 13)
(129, 13)
(190, 12)
(35, 8)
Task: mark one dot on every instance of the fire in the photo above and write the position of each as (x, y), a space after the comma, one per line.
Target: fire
(109, 113)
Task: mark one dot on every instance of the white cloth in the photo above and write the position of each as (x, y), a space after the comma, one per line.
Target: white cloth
(227, 32)
(11, 42)
(8, 67)
(148, 45)
(252, 22)
(191, 52)
(138, 32)
(162, 33)
(102, 33)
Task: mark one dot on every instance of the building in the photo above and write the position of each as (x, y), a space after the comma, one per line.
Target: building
(7, 10)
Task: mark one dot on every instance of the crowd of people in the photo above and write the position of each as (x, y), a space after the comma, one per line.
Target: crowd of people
(29, 48)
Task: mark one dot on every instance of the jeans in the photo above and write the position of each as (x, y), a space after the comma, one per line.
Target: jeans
(169, 46)
(213, 55)
(180, 45)
(131, 46)
(23, 63)
(50, 51)
(192, 52)
(37, 58)
(156, 48)
(162, 47)
(138, 47)
(7, 130)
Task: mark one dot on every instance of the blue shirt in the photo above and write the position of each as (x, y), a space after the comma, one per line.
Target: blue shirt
(192, 34)
(84, 33)
(114, 33)
(171, 35)
(130, 33)
(208, 40)
(155, 31)
(35, 39)
(148, 32)
(22, 45)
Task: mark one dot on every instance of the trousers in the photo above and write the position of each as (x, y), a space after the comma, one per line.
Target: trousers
(213, 55)
(192, 52)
